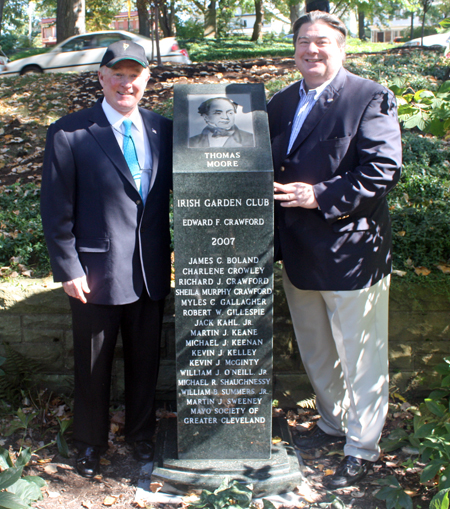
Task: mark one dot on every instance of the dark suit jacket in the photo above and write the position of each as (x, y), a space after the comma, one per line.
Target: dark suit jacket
(94, 220)
(349, 149)
(239, 138)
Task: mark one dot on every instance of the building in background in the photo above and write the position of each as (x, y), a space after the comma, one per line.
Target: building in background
(382, 33)
(243, 23)
(120, 22)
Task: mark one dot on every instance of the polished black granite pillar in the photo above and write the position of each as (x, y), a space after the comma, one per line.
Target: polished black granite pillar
(223, 223)
(223, 239)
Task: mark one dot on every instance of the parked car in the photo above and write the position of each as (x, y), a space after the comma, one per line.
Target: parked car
(436, 40)
(3, 60)
(84, 53)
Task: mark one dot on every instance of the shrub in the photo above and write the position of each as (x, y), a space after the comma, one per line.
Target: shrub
(21, 234)
(419, 205)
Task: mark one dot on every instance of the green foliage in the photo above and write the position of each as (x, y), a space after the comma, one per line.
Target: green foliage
(419, 205)
(21, 234)
(17, 379)
(440, 500)
(27, 53)
(393, 494)
(8, 42)
(307, 403)
(189, 29)
(23, 422)
(231, 494)
(17, 492)
(430, 435)
(100, 14)
(424, 109)
(355, 45)
(236, 48)
(419, 69)
(15, 16)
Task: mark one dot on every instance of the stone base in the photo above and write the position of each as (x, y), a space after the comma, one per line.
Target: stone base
(280, 474)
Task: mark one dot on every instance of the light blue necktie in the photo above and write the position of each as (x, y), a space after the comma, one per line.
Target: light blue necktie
(129, 152)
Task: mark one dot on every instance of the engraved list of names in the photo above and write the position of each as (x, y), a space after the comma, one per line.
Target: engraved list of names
(223, 224)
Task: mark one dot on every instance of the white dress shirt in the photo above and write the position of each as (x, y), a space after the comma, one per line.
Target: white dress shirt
(141, 142)
(307, 101)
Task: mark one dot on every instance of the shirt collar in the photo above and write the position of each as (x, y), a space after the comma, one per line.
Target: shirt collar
(314, 91)
(115, 118)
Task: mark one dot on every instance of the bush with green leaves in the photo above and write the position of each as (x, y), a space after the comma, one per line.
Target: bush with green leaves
(430, 438)
(21, 234)
(428, 111)
(231, 494)
(419, 205)
(17, 492)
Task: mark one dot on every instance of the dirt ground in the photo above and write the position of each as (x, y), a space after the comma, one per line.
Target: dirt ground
(116, 486)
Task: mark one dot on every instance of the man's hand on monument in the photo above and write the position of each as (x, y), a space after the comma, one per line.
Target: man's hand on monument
(295, 194)
(77, 288)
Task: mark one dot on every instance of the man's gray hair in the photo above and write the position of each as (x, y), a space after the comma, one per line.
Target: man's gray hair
(324, 17)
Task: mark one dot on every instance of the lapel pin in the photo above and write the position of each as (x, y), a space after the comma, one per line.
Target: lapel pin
(154, 131)
(330, 100)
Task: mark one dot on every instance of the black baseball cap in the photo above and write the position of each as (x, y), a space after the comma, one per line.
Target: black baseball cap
(124, 50)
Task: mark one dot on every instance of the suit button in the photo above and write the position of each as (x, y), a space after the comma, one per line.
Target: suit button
(138, 202)
(282, 168)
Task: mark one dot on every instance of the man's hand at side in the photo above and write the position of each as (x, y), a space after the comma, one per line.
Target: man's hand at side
(77, 288)
(295, 194)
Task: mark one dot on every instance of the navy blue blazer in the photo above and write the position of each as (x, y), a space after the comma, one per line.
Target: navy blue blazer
(349, 149)
(94, 220)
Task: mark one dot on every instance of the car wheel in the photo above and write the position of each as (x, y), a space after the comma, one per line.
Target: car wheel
(31, 69)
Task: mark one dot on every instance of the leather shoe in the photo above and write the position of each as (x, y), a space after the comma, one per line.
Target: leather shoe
(143, 450)
(350, 471)
(315, 438)
(88, 461)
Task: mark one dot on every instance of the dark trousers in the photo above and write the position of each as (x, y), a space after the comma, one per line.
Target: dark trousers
(95, 331)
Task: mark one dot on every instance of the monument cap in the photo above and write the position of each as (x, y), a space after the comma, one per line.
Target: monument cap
(124, 50)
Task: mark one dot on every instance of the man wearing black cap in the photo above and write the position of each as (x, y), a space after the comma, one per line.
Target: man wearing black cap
(105, 211)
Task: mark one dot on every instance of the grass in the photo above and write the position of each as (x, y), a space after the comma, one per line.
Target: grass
(239, 47)
(23, 53)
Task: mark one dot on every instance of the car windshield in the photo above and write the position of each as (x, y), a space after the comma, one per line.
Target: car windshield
(79, 43)
(104, 40)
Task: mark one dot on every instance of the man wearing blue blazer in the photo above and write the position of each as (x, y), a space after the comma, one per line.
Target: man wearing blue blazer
(337, 152)
(106, 181)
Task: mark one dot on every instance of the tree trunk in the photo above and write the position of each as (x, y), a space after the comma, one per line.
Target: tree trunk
(70, 19)
(411, 33)
(144, 24)
(210, 20)
(158, 50)
(425, 6)
(166, 18)
(294, 13)
(361, 30)
(257, 27)
(80, 16)
(2, 3)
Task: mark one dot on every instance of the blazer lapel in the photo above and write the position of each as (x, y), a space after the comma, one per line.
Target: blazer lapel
(321, 108)
(102, 131)
(288, 113)
(152, 128)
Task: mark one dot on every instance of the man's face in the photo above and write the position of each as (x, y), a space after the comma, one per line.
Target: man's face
(221, 114)
(318, 55)
(123, 85)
